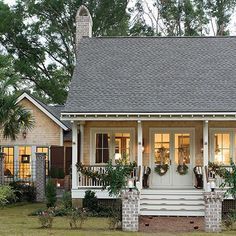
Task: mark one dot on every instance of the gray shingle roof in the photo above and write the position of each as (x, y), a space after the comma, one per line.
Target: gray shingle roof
(189, 74)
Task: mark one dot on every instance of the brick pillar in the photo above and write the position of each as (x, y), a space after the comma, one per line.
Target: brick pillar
(213, 208)
(130, 205)
(40, 180)
(2, 155)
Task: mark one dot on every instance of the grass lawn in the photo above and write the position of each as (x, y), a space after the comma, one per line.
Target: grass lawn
(14, 220)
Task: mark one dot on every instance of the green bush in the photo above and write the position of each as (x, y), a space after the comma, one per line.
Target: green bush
(230, 219)
(24, 192)
(77, 217)
(51, 194)
(90, 201)
(46, 218)
(7, 195)
(66, 200)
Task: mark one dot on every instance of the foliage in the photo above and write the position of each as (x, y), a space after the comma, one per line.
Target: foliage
(114, 178)
(161, 169)
(51, 194)
(7, 195)
(230, 219)
(77, 217)
(13, 117)
(46, 218)
(229, 176)
(218, 169)
(182, 169)
(90, 200)
(57, 173)
(114, 220)
(183, 18)
(66, 200)
(24, 192)
(41, 39)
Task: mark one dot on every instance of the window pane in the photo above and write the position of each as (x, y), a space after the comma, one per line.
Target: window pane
(162, 148)
(222, 148)
(102, 148)
(226, 141)
(182, 149)
(122, 146)
(9, 161)
(99, 158)
(24, 167)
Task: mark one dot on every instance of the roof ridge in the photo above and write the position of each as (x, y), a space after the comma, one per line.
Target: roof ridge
(161, 37)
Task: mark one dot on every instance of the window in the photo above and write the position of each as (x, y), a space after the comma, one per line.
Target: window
(112, 144)
(24, 162)
(9, 161)
(44, 150)
(102, 148)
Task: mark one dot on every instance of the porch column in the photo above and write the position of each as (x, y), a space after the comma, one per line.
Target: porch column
(74, 154)
(81, 128)
(205, 151)
(140, 153)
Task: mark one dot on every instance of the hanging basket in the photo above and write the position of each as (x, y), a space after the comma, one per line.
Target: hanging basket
(182, 169)
(161, 169)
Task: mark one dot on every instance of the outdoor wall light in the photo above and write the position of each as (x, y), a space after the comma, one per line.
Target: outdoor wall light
(213, 185)
(130, 184)
(24, 134)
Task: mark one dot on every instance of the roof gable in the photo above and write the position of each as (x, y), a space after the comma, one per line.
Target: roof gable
(150, 75)
(52, 112)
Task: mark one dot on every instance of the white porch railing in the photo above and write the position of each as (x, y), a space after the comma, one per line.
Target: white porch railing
(93, 182)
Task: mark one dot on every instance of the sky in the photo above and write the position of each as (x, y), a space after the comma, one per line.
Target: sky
(232, 26)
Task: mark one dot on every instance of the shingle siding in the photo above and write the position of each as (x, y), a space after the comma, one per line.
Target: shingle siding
(154, 75)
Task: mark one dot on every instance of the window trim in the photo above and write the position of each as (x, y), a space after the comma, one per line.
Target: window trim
(111, 132)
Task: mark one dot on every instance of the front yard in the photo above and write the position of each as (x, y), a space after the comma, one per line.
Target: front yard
(14, 220)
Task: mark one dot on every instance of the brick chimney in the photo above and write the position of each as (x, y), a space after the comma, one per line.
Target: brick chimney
(84, 24)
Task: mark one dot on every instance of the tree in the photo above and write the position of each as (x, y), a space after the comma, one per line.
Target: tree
(222, 11)
(40, 35)
(13, 117)
(185, 17)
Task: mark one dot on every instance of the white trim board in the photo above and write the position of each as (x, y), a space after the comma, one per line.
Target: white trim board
(41, 108)
(217, 116)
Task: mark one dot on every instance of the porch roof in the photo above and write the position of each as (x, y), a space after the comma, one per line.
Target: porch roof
(150, 75)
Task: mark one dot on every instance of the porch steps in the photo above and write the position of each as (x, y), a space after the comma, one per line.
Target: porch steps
(172, 202)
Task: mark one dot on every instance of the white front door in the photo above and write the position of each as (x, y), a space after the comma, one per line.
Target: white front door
(172, 147)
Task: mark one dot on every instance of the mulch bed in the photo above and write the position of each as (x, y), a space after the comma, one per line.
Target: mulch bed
(170, 224)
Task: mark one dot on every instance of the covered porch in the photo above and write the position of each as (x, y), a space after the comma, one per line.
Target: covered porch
(192, 140)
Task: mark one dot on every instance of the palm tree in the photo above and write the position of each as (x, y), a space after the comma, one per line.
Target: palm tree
(14, 118)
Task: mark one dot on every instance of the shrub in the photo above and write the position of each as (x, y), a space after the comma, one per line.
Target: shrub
(114, 220)
(230, 220)
(51, 194)
(66, 200)
(77, 217)
(46, 218)
(90, 200)
(7, 195)
(24, 192)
